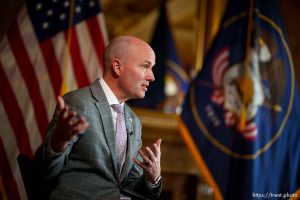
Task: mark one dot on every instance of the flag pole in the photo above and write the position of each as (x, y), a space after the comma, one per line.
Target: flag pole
(64, 86)
(245, 83)
(200, 36)
(3, 194)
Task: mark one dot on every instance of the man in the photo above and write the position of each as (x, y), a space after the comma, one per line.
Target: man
(83, 152)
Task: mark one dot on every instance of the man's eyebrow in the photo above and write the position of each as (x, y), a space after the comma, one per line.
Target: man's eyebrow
(149, 63)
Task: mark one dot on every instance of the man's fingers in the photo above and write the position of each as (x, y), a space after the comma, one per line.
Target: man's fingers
(150, 154)
(60, 102)
(145, 158)
(139, 163)
(69, 118)
(156, 147)
(143, 155)
(62, 114)
(158, 142)
(80, 125)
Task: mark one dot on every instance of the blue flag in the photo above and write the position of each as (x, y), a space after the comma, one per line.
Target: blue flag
(167, 68)
(241, 116)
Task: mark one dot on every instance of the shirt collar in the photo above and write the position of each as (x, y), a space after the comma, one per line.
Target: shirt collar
(110, 96)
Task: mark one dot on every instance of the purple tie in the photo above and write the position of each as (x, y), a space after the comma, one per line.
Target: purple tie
(121, 135)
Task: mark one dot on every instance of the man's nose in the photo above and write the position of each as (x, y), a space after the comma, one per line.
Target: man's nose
(150, 76)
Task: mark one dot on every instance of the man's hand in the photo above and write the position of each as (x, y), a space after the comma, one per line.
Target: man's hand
(151, 161)
(68, 125)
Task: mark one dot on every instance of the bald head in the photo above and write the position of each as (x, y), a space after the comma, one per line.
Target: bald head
(123, 48)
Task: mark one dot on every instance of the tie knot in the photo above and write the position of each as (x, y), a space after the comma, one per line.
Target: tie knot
(118, 108)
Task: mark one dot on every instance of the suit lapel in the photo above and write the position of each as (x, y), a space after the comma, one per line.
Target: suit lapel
(105, 113)
(130, 144)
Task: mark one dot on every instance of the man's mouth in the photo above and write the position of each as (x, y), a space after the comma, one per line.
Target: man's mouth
(145, 87)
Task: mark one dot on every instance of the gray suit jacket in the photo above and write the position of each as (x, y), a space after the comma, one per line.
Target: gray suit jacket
(87, 168)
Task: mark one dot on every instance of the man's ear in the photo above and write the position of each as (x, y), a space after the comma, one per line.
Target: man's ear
(116, 65)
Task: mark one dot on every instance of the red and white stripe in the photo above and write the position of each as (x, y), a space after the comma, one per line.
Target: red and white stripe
(10, 174)
(250, 131)
(230, 118)
(219, 65)
(38, 63)
(218, 96)
(31, 76)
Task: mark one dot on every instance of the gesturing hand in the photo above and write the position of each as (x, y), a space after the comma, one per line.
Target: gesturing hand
(151, 161)
(68, 125)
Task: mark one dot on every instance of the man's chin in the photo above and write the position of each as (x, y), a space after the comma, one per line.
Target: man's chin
(139, 96)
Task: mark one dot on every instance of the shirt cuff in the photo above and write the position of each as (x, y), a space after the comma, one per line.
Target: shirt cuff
(51, 154)
(155, 184)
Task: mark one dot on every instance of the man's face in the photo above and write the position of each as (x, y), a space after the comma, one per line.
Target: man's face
(137, 73)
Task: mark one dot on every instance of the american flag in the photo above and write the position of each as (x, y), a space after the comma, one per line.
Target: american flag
(50, 48)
